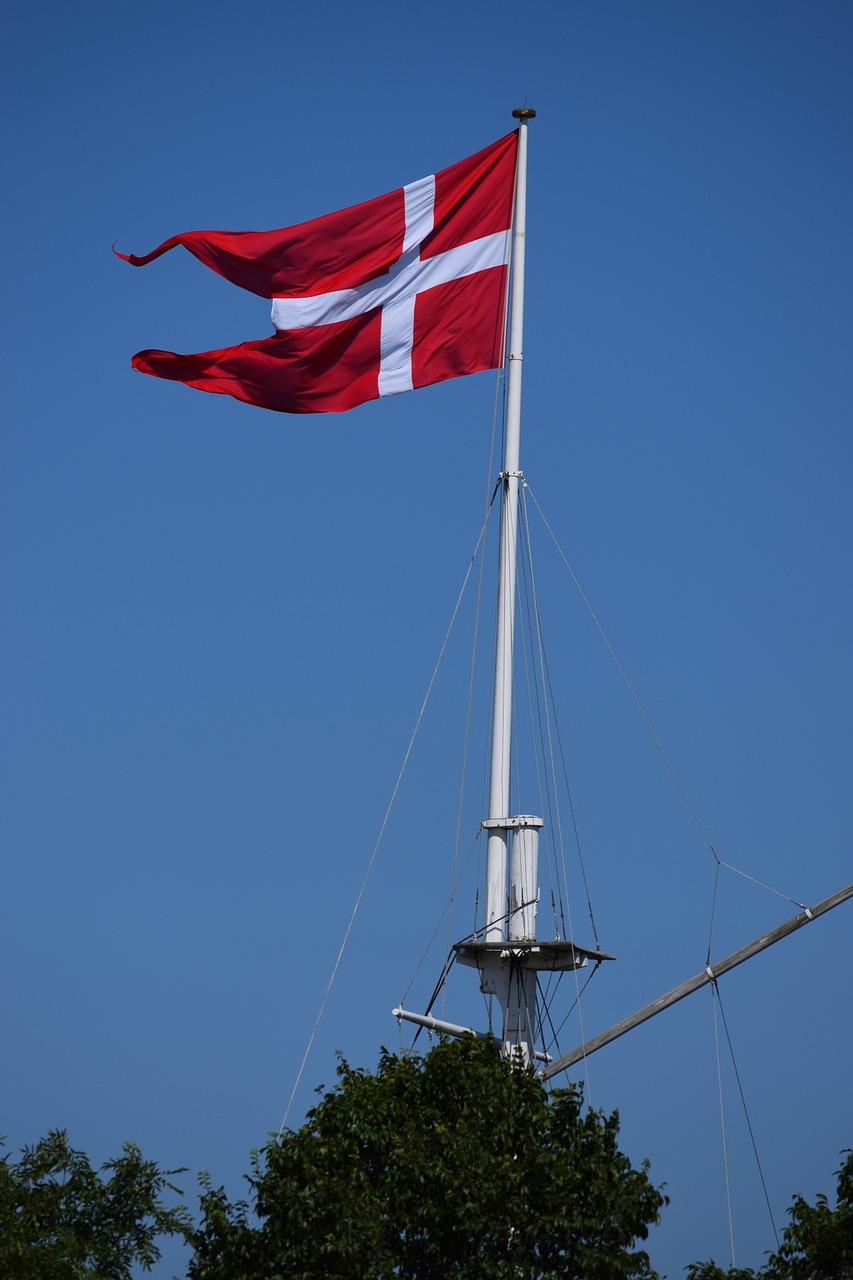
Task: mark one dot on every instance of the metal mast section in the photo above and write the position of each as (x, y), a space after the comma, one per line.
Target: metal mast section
(507, 955)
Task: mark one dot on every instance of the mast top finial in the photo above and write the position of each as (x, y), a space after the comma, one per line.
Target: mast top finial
(524, 113)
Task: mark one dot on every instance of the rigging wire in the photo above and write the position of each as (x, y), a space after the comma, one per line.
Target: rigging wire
(570, 1011)
(448, 906)
(551, 799)
(438, 990)
(534, 710)
(548, 792)
(500, 385)
(546, 745)
(726, 1181)
(713, 912)
(626, 681)
(552, 702)
(489, 717)
(719, 1004)
(383, 824)
(572, 811)
(681, 788)
(544, 1005)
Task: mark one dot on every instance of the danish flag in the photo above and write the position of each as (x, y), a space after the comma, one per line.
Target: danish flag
(392, 294)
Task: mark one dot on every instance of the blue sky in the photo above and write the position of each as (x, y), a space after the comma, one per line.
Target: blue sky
(219, 623)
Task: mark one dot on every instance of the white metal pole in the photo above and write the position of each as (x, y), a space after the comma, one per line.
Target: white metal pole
(499, 799)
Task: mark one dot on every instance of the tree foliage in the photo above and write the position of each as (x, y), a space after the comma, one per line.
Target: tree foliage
(817, 1243)
(452, 1164)
(455, 1163)
(60, 1219)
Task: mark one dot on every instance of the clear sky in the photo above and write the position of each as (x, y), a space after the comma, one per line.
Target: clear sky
(219, 623)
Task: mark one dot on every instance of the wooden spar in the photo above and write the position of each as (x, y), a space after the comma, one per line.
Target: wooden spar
(710, 974)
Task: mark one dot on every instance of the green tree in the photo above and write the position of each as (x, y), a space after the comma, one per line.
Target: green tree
(452, 1164)
(60, 1219)
(817, 1243)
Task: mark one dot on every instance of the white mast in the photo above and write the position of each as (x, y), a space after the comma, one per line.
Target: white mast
(508, 955)
(499, 800)
(514, 987)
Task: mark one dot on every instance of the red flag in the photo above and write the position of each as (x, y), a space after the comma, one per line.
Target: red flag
(398, 292)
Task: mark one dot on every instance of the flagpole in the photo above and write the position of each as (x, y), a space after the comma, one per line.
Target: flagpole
(506, 953)
(499, 824)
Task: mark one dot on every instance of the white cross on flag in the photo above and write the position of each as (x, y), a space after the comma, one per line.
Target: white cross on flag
(396, 293)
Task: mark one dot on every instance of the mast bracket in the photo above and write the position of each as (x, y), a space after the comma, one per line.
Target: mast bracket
(526, 953)
(511, 824)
